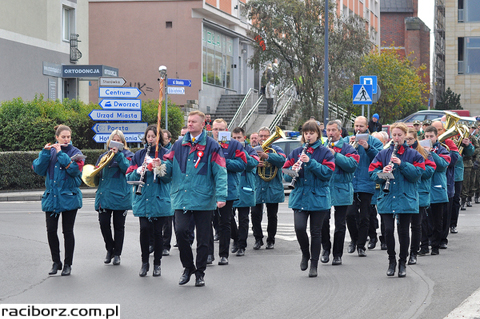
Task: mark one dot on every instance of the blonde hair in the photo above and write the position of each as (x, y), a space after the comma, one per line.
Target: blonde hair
(199, 113)
(120, 135)
(220, 121)
(419, 148)
(401, 126)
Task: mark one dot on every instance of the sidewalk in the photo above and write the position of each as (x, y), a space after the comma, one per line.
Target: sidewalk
(36, 195)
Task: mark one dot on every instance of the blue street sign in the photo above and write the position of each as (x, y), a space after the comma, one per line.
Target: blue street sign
(119, 92)
(129, 137)
(179, 82)
(370, 80)
(124, 127)
(121, 104)
(362, 94)
(115, 115)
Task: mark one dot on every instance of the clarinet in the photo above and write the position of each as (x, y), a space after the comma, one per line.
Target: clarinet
(294, 179)
(330, 144)
(144, 168)
(386, 189)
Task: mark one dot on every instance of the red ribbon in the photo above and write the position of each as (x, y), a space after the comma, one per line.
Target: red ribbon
(200, 155)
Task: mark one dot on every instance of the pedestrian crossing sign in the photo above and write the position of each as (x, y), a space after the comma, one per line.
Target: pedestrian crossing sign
(362, 94)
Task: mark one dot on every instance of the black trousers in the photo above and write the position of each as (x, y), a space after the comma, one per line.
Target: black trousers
(167, 233)
(240, 234)
(113, 244)
(339, 233)
(456, 204)
(257, 214)
(426, 228)
(224, 230)
(203, 225)
(373, 223)
(317, 218)
(416, 229)
(358, 218)
(403, 234)
(435, 220)
(447, 218)
(147, 226)
(68, 222)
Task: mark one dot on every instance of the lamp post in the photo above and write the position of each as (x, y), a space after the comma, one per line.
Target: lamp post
(325, 85)
(163, 75)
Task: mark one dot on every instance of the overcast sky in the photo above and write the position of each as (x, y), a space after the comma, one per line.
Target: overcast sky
(426, 12)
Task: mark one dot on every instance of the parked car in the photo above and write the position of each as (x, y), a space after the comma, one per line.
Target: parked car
(422, 116)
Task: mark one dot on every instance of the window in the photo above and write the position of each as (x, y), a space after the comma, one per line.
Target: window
(217, 58)
(168, 24)
(468, 11)
(469, 57)
(68, 21)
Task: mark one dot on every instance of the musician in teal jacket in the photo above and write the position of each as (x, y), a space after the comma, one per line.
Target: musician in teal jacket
(199, 185)
(315, 165)
(151, 199)
(114, 197)
(62, 197)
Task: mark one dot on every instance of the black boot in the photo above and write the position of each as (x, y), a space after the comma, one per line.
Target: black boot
(391, 267)
(469, 202)
(313, 268)
(476, 200)
(304, 262)
(55, 267)
(462, 203)
(144, 269)
(402, 268)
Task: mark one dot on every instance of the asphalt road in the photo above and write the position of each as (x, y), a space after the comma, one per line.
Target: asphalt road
(262, 284)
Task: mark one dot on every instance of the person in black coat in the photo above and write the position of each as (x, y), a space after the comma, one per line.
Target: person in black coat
(374, 125)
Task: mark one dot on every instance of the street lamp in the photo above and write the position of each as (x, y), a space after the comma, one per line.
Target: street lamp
(162, 69)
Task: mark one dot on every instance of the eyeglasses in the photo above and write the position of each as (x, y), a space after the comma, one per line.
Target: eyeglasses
(410, 139)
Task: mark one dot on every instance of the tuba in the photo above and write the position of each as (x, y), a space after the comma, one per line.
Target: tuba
(268, 171)
(89, 173)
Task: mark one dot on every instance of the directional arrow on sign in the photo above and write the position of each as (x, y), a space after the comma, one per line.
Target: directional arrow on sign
(111, 81)
(115, 115)
(122, 104)
(179, 82)
(129, 137)
(113, 92)
(124, 127)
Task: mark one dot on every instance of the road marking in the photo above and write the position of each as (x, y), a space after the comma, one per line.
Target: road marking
(468, 309)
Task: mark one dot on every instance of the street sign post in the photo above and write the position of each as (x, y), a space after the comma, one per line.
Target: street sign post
(124, 127)
(179, 82)
(123, 92)
(362, 94)
(121, 104)
(111, 82)
(129, 137)
(115, 115)
(175, 90)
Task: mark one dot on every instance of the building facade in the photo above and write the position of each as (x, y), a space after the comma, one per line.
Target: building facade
(204, 41)
(37, 39)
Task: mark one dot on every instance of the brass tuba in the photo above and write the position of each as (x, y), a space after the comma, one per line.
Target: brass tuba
(453, 128)
(268, 171)
(89, 174)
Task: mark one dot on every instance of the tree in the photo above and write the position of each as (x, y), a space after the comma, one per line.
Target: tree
(403, 91)
(449, 101)
(292, 32)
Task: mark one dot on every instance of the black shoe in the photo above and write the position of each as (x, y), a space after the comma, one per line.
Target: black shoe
(373, 243)
(166, 252)
(383, 246)
(412, 260)
(116, 260)
(453, 230)
(443, 246)
(257, 245)
(361, 252)
(200, 281)
(210, 259)
(423, 251)
(351, 247)
(391, 268)
(55, 267)
(325, 256)
(337, 261)
(67, 269)
(304, 263)
(313, 268)
(145, 268)
(241, 252)
(477, 201)
(462, 205)
(435, 251)
(223, 261)
(402, 269)
(469, 204)
(150, 249)
(216, 237)
(270, 246)
(157, 272)
(108, 257)
(234, 248)
(187, 273)
(176, 245)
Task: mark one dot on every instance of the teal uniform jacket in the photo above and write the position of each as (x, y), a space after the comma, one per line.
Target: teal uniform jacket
(236, 162)
(246, 189)
(272, 191)
(63, 178)
(113, 192)
(200, 187)
(441, 157)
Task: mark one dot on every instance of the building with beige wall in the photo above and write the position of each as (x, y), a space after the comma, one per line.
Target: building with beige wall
(204, 41)
(462, 51)
(35, 45)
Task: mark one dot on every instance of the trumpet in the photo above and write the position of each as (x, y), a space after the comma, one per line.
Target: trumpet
(294, 179)
(140, 183)
(386, 188)
(354, 143)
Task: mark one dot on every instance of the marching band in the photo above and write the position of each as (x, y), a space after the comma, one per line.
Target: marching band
(418, 181)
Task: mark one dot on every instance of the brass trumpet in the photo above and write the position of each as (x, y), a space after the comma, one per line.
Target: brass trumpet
(272, 172)
(354, 143)
(89, 172)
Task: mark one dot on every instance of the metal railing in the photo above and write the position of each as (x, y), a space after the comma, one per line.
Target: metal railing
(288, 98)
(243, 109)
(340, 112)
(253, 110)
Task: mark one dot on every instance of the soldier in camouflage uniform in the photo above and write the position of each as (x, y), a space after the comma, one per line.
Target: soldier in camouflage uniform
(476, 164)
(469, 178)
(425, 124)
(418, 127)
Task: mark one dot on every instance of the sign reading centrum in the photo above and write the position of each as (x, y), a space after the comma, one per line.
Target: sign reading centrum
(124, 92)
